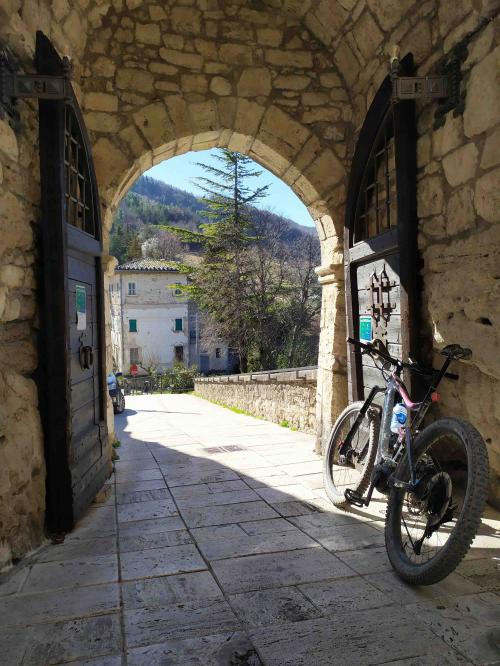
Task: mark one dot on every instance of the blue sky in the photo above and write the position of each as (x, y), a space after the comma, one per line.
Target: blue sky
(179, 172)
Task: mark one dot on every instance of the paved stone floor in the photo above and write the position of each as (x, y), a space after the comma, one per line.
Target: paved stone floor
(214, 545)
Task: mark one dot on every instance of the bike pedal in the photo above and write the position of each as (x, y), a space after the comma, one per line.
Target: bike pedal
(354, 498)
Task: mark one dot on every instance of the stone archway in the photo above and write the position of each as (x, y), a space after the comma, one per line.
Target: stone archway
(331, 361)
(159, 81)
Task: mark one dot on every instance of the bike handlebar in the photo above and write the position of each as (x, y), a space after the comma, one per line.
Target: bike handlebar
(413, 367)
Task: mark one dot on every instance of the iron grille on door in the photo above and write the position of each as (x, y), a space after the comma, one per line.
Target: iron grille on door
(77, 185)
(376, 209)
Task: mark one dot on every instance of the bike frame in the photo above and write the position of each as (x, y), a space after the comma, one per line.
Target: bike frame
(394, 388)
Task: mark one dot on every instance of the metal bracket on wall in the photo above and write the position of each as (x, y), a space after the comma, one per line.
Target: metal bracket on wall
(434, 86)
(14, 86)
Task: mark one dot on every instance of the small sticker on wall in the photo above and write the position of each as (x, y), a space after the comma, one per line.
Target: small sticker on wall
(81, 307)
(365, 328)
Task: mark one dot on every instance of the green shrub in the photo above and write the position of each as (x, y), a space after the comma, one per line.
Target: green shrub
(180, 377)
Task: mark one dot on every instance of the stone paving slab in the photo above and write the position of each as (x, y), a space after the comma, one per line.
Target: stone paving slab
(256, 572)
(356, 639)
(86, 548)
(143, 496)
(160, 562)
(72, 573)
(471, 624)
(54, 643)
(165, 590)
(236, 559)
(151, 526)
(155, 540)
(112, 660)
(217, 499)
(218, 549)
(146, 510)
(187, 620)
(275, 606)
(344, 595)
(133, 486)
(229, 649)
(230, 513)
(59, 605)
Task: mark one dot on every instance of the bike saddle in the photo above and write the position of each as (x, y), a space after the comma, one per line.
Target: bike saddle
(457, 352)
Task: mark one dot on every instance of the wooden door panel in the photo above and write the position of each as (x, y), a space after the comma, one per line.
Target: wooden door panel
(72, 397)
(380, 255)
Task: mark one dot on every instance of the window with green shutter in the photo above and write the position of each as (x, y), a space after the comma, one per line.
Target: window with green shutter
(132, 325)
(178, 324)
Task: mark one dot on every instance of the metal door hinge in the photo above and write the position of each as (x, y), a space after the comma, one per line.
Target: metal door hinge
(15, 86)
(434, 86)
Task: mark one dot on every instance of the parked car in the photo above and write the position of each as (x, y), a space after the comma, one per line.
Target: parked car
(116, 392)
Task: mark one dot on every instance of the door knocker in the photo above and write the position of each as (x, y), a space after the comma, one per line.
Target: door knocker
(86, 355)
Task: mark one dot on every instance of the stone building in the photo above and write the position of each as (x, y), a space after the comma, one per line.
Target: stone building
(149, 315)
(302, 88)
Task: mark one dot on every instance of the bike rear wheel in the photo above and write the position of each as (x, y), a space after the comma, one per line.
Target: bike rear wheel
(338, 475)
(429, 531)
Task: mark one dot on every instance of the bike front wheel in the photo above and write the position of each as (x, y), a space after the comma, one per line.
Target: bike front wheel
(355, 473)
(429, 530)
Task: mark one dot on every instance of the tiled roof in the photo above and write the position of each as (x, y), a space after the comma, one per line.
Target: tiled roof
(149, 265)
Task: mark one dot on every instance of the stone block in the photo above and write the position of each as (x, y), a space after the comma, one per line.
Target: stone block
(12, 276)
(135, 79)
(277, 123)
(220, 86)
(483, 95)
(430, 197)
(460, 214)
(291, 82)
(487, 196)
(326, 114)
(194, 83)
(147, 33)
(102, 122)
(367, 35)
(236, 54)
(109, 161)
(101, 102)
(154, 123)
(254, 81)
(178, 113)
(448, 137)
(269, 36)
(8, 141)
(491, 150)
(347, 62)
(191, 60)
(204, 116)
(284, 58)
(186, 20)
(460, 165)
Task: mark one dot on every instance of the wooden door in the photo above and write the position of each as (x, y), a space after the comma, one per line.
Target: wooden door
(72, 385)
(380, 243)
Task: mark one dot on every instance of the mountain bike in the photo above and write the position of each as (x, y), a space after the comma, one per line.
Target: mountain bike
(435, 478)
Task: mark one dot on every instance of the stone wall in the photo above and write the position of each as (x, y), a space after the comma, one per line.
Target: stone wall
(293, 402)
(22, 470)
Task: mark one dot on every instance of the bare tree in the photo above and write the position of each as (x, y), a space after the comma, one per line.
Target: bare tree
(162, 245)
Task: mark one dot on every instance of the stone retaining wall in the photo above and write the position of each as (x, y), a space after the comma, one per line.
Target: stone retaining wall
(293, 402)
